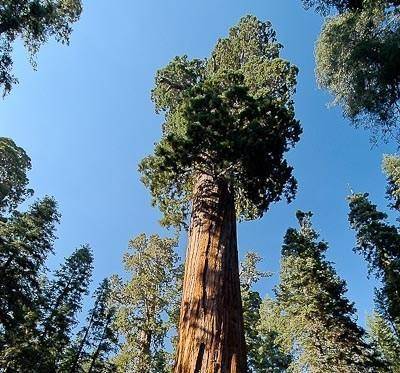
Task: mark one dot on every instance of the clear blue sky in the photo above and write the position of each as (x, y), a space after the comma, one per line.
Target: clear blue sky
(86, 119)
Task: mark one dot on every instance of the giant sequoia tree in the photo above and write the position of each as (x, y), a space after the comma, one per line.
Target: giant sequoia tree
(358, 58)
(35, 21)
(229, 120)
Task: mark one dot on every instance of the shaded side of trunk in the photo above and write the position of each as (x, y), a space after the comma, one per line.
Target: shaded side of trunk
(211, 333)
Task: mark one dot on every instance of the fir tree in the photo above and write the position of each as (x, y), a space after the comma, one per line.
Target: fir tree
(272, 356)
(14, 165)
(63, 301)
(317, 319)
(97, 339)
(229, 120)
(263, 354)
(26, 240)
(391, 167)
(387, 343)
(143, 303)
(379, 243)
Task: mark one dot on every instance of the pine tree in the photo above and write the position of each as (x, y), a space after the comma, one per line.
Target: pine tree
(26, 240)
(62, 302)
(317, 319)
(229, 120)
(263, 354)
(272, 356)
(143, 304)
(97, 339)
(34, 21)
(379, 242)
(36, 315)
(387, 343)
(391, 167)
(14, 165)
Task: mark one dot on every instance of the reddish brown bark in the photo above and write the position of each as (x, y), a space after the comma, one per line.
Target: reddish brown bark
(211, 335)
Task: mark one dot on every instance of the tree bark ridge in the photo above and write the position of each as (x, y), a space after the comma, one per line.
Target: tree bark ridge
(211, 334)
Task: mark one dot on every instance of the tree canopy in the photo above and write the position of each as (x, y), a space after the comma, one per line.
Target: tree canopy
(145, 303)
(357, 57)
(231, 117)
(35, 22)
(379, 242)
(14, 165)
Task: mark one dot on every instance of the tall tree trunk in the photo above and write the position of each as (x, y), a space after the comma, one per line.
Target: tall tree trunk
(211, 333)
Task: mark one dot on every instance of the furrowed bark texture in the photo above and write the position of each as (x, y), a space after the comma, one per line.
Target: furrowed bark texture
(211, 334)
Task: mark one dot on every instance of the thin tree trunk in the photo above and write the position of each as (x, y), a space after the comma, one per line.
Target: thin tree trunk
(97, 352)
(81, 346)
(211, 334)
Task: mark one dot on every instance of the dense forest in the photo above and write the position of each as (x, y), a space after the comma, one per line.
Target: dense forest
(229, 125)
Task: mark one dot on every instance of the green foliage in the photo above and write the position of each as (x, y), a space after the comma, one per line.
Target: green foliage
(272, 355)
(38, 315)
(14, 165)
(379, 242)
(144, 304)
(62, 301)
(357, 56)
(263, 354)
(97, 339)
(230, 117)
(325, 6)
(26, 239)
(388, 344)
(35, 22)
(316, 319)
(391, 167)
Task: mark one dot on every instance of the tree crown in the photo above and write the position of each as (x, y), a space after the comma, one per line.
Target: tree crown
(35, 21)
(231, 117)
(357, 58)
(14, 165)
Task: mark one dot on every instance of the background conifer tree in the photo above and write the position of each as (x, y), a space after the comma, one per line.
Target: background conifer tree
(263, 353)
(62, 302)
(379, 242)
(391, 167)
(317, 320)
(26, 240)
(144, 302)
(97, 340)
(386, 342)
